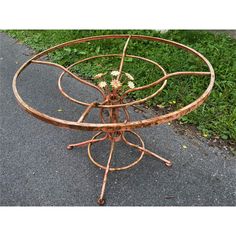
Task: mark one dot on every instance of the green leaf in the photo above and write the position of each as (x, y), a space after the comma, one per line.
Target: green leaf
(224, 136)
(98, 49)
(128, 59)
(82, 52)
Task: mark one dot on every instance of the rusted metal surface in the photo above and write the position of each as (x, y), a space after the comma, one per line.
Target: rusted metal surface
(114, 128)
(123, 57)
(101, 200)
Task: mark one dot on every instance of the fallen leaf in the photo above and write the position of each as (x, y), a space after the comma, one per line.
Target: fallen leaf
(172, 102)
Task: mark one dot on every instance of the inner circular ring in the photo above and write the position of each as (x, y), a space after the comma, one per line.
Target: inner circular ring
(117, 105)
(116, 168)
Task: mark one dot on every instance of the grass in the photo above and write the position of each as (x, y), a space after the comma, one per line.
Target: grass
(216, 117)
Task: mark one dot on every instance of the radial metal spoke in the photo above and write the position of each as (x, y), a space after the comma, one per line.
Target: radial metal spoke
(123, 57)
(86, 112)
(166, 77)
(70, 73)
(141, 149)
(70, 146)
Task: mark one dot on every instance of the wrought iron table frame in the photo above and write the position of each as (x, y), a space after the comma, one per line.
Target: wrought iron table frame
(114, 130)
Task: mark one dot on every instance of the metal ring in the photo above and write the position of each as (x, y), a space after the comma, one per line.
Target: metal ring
(116, 168)
(118, 105)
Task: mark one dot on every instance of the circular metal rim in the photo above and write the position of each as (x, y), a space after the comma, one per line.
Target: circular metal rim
(118, 105)
(115, 126)
(116, 168)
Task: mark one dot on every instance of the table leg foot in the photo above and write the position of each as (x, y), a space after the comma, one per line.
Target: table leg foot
(101, 201)
(169, 164)
(69, 147)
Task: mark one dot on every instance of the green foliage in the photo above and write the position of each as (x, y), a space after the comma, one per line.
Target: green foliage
(215, 117)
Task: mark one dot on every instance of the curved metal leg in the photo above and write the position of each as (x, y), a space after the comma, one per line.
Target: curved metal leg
(167, 162)
(101, 200)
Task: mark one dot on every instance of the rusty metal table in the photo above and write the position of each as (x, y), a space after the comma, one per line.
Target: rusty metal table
(113, 99)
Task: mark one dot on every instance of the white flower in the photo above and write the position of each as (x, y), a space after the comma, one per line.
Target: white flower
(129, 76)
(163, 31)
(102, 84)
(115, 73)
(115, 83)
(98, 76)
(131, 84)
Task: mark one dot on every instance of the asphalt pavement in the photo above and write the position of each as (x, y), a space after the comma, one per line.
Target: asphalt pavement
(36, 169)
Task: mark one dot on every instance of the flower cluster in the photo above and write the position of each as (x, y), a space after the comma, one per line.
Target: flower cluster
(102, 84)
(115, 82)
